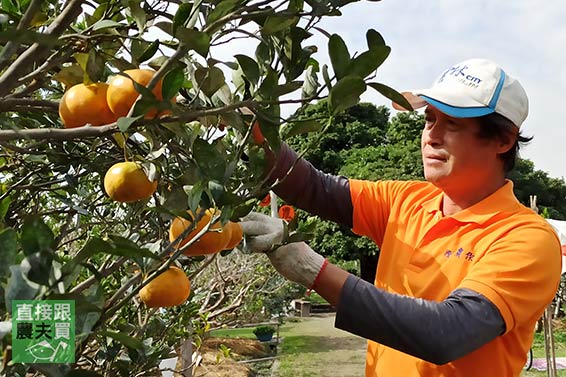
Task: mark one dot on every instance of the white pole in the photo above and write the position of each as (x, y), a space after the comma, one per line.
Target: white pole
(274, 209)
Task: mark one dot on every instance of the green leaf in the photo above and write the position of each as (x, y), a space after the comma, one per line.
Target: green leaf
(104, 24)
(194, 194)
(295, 6)
(326, 77)
(209, 80)
(94, 66)
(127, 248)
(288, 87)
(149, 51)
(216, 190)
(126, 340)
(8, 247)
(269, 122)
(302, 127)
(221, 9)
(124, 123)
(339, 56)
(367, 62)
(37, 267)
(374, 39)
(249, 67)
(392, 94)
(195, 40)
(139, 14)
(311, 84)
(263, 54)
(268, 87)
(114, 245)
(276, 23)
(18, 287)
(181, 16)
(346, 93)
(172, 83)
(36, 236)
(211, 162)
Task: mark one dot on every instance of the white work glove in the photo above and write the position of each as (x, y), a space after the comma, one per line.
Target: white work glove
(295, 261)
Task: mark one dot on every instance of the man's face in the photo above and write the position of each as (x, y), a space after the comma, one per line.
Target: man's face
(454, 157)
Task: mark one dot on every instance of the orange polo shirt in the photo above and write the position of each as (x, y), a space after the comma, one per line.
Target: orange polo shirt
(497, 247)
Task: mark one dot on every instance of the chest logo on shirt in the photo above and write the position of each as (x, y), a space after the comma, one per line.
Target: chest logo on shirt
(460, 254)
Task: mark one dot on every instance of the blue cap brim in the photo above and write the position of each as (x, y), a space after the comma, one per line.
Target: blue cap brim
(458, 112)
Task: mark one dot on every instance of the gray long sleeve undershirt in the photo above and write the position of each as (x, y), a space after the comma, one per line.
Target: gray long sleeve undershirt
(438, 332)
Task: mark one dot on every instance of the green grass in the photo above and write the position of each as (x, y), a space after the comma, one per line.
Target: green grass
(539, 352)
(233, 333)
(298, 350)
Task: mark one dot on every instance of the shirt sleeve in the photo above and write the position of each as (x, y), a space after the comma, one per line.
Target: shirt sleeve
(520, 273)
(466, 319)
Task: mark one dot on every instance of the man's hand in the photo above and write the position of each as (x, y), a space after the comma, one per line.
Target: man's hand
(295, 261)
(262, 232)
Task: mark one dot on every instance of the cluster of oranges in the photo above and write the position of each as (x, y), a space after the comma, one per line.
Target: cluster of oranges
(103, 103)
(172, 287)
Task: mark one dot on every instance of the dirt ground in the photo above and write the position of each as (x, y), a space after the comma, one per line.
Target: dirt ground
(215, 364)
(341, 354)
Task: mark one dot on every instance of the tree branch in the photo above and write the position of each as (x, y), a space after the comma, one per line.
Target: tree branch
(27, 104)
(11, 47)
(9, 79)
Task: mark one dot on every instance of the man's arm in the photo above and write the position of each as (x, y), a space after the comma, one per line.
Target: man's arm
(308, 188)
(438, 332)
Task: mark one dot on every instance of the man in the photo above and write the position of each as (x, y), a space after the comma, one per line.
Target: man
(465, 270)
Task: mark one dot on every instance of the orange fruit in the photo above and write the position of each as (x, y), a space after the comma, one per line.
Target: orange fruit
(171, 288)
(286, 212)
(257, 135)
(127, 182)
(265, 201)
(211, 242)
(236, 235)
(85, 104)
(122, 94)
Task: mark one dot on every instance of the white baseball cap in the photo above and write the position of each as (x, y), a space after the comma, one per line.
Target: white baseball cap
(473, 88)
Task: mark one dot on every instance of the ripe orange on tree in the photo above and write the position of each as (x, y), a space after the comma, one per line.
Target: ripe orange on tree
(122, 93)
(127, 182)
(286, 212)
(236, 235)
(211, 242)
(171, 288)
(265, 201)
(85, 104)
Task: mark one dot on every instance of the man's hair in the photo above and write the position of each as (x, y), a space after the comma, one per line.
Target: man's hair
(496, 126)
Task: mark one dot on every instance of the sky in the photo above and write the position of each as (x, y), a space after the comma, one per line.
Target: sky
(526, 38)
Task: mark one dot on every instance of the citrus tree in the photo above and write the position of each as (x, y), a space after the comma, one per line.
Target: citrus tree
(130, 149)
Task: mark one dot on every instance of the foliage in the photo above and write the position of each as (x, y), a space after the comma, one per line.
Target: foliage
(550, 192)
(61, 236)
(264, 330)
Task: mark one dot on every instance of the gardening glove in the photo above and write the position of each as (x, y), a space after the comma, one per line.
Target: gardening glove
(295, 261)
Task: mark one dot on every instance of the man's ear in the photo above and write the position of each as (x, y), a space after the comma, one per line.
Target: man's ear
(508, 140)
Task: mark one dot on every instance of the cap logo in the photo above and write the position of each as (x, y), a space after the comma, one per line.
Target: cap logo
(458, 72)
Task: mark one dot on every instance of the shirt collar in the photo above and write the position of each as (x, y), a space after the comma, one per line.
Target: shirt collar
(501, 200)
